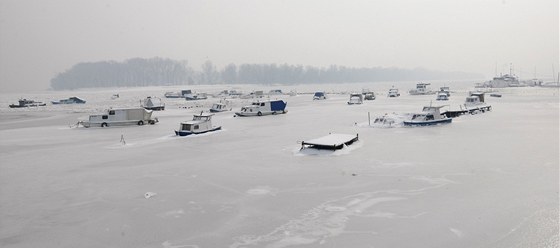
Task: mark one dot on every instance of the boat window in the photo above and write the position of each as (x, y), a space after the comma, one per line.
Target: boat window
(104, 117)
(429, 117)
(262, 104)
(186, 127)
(195, 127)
(111, 112)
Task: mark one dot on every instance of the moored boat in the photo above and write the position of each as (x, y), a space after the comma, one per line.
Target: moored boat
(219, 107)
(260, 108)
(121, 117)
(421, 89)
(201, 123)
(393, 92)
(474, 104)
(319, 95)
(442, 97)
(430, 116)
(153, 103)
(71, 100)
(24, 103)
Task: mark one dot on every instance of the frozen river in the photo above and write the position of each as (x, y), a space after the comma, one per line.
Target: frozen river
(487, 180)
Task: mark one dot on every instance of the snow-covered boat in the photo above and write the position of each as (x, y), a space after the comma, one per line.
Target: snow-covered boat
(393, 92)
(201, 123)
(171, 94)
(319, 95)
(442, 97)
(369, 96)
(121, 117)
(153, 103)
(474, 104)
(384, 121)
(496, 95)
(275, 92)
(71, 100)
(219, 107)
(260, 108)
(444, 90)
(195, 97)
(421, 89)
(330, 142)
(430, 116)
(355, 98)
(24, 103)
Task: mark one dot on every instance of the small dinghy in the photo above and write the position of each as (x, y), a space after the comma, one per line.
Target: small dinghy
(201, 123)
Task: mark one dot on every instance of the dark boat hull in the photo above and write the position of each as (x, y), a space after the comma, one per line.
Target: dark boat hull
(187, 133)
(427, 123)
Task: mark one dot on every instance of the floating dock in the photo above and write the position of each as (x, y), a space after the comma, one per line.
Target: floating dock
(330, 142)
(473, 110)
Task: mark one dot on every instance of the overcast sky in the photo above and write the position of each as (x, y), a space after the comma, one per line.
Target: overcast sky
(40, 38)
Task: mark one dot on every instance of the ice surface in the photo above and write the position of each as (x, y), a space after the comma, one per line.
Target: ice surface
(487, 180)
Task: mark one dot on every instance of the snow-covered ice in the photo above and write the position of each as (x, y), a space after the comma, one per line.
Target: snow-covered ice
(487, 180)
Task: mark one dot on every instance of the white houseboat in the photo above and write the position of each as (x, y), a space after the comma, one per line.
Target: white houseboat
(201, 123)
(121, 117)
(260, 108)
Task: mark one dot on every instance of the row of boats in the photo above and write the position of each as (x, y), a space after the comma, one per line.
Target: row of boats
(202, 123)
(25, 103)
(432, 115)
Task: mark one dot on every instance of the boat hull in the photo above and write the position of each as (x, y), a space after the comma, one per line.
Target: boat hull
(427, 123)
(187, 133)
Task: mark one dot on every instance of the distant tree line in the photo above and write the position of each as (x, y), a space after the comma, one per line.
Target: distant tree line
(162, 71)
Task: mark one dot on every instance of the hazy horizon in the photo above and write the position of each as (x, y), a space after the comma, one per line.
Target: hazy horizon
(39, 39)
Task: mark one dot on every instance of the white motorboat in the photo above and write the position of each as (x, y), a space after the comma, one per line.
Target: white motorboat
(430, 115)
(201, 123)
